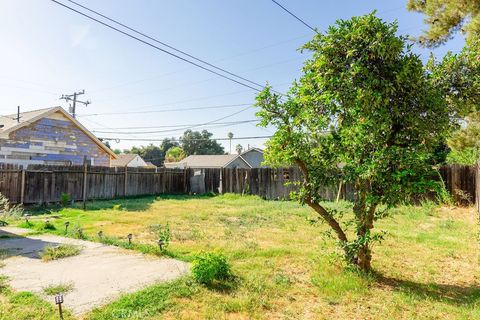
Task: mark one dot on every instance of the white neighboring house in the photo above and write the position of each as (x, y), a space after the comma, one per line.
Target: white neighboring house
(251, 158)
(129, 160)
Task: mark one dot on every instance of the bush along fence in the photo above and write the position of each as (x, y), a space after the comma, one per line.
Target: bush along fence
(46, 184)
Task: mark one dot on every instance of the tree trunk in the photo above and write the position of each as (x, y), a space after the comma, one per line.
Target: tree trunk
(364, 258)
(364, 216)
(363, 254)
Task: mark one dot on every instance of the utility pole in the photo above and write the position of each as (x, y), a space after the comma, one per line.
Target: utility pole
(18, 114)
(73, 99)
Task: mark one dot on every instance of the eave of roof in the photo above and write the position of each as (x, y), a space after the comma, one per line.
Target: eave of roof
(48, 111)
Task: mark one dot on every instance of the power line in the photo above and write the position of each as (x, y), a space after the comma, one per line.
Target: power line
(295, 16)
(188, 84)
(164, 44)
(190, 127)
(166, 110)
(157, 47)
(173, 126)
(180, 129)
(186, 69)
(178, 140)
(196, 99)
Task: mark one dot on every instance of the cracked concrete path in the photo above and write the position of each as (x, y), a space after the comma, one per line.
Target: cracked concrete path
(99, 274)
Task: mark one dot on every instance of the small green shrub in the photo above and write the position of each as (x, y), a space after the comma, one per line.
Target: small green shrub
(46, 225)
(65, 199)
(163, 233)
(62, 251)
(26, 224)
(282, 279)
(211, 267)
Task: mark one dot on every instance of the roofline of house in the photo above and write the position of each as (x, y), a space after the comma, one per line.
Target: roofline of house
(252, 148)
(236, 157)
(66, 114)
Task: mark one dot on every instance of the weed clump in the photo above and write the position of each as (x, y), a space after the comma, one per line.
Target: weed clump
(65, 199)
(61, 288)
(210, 268)
(62, 251)
(46, 225)
(163, 233)
(9, 211)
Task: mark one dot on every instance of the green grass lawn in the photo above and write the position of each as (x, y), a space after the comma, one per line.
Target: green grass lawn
(426, 268)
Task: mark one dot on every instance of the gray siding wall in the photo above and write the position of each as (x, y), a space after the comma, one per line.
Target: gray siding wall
(254, 158)
(237, 163)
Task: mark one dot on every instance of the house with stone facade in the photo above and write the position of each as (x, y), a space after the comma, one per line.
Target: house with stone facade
(50, 137)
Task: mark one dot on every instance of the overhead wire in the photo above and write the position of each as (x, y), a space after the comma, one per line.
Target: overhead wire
(159, 48)
(165, 110)
(163, 43)
(186, 69)
(181, 101)
(176, 127)
(179, 129)
(295, 16)
(175, 139)
(189, 84)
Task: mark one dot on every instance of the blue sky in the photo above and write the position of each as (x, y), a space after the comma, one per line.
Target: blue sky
(48, 51)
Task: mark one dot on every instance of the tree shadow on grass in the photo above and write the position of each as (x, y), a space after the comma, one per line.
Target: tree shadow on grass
(142, 203)
(447, 293)
(223, 287)
(13, 244)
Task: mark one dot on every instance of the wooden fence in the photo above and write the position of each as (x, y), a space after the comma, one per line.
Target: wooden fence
(40, 184)
(45, 184)
(268, 183)
(461, 182)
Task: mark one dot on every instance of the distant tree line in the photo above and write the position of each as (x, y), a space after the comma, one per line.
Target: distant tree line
(175, 149)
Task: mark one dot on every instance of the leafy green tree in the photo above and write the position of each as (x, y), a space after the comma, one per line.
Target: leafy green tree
(107, 144)
(175, 154)
(465, 143)
(365, 112)
(196, 142)
(150, 153)
(168, 143)
(239, 148)
(446, 17)
(458, 77)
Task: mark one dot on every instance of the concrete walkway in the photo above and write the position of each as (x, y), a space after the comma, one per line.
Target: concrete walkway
(100, 273)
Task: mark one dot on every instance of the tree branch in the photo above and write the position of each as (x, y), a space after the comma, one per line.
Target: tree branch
(332, 222)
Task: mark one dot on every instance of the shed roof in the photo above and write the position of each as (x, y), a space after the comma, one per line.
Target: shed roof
(208, 161)
(123, 159)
